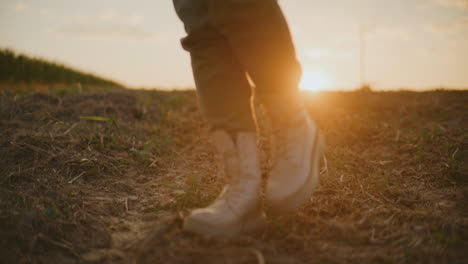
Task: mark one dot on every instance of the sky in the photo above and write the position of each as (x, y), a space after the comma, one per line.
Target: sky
(411, 44)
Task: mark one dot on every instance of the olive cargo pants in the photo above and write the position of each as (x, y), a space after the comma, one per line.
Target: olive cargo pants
(231, 40)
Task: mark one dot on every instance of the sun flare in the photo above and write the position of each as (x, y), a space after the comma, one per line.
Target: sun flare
(314, 80)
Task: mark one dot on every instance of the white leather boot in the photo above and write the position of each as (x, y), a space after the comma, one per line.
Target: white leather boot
(238, 208)
(297, 147)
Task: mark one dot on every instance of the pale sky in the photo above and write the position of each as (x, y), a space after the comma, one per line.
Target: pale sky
(416, 44)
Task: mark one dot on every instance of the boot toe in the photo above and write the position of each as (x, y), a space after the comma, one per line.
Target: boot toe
(208, 223)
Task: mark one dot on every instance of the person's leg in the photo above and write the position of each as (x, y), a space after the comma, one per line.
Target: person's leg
(222, 86)
(258, 33)
(224, 95)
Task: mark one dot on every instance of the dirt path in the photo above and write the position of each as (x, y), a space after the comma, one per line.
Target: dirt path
(107, 178)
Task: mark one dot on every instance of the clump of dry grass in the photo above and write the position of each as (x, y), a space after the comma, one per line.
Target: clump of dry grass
(113, 185)
(57, 153)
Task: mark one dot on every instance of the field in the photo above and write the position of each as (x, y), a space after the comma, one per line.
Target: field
(19, 69)
(107, 177)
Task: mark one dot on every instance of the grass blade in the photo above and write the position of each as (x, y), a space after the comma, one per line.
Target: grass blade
(97, 118)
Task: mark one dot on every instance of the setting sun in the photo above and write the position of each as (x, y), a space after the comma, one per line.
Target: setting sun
(314, 80)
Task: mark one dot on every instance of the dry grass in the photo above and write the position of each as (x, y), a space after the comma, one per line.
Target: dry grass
(113, 185)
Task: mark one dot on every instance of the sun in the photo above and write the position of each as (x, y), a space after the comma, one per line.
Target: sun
(314, 80)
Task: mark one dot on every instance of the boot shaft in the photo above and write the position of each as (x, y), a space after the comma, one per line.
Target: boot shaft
(237, 155)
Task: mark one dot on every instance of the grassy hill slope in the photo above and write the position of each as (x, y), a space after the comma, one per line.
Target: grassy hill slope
(18, 68)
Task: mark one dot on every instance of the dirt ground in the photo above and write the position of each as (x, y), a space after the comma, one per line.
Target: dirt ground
(94, 177)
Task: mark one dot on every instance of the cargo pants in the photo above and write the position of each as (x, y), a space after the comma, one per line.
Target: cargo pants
(230, 41)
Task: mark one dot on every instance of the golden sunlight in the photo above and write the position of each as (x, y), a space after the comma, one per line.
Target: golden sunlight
(314, 80)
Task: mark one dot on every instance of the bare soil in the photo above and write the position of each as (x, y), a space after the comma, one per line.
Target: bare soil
(107, 177)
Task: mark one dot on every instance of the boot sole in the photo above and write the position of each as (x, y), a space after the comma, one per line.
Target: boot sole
(225, 232)
(303, 194)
